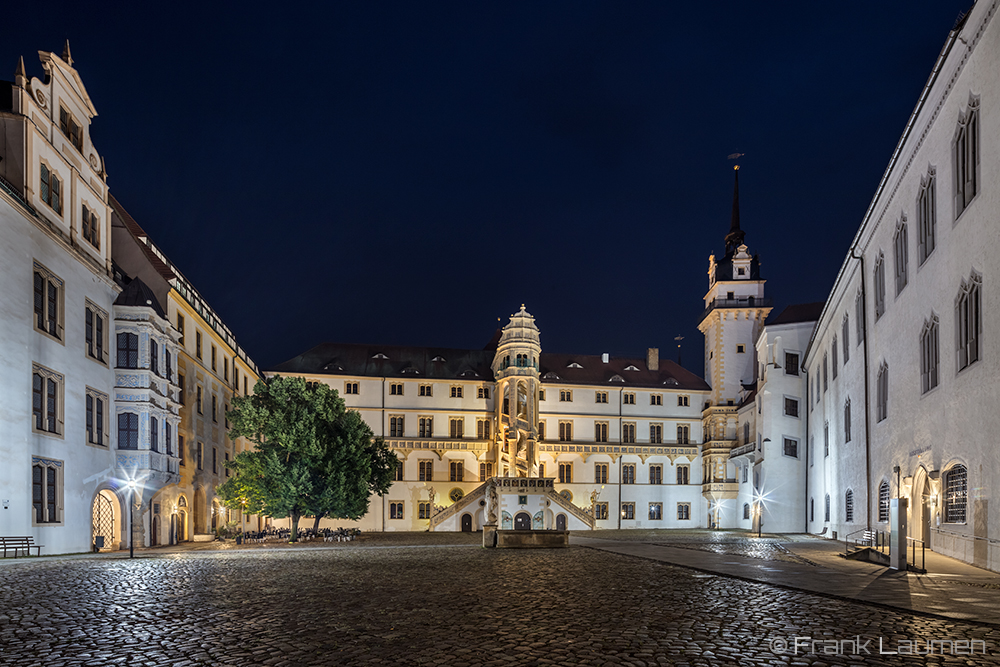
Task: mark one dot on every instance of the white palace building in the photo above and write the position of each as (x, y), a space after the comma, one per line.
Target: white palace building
(815, 419)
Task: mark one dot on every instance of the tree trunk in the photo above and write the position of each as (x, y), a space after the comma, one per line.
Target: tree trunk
(294, 537)
(316, 523)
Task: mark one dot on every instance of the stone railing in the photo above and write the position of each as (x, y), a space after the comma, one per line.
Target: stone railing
(745, 449)
(461, 503)
(585, 515)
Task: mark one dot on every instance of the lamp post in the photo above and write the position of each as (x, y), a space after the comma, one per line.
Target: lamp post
(131, 495)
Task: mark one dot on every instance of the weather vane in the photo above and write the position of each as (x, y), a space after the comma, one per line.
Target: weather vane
(734, 156)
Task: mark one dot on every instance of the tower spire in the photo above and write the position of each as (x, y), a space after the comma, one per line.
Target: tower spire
(734, 239)
(66, 55)
(20, 77)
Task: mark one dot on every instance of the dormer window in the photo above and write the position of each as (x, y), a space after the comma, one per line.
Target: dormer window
(631, 367)
(439, 358)
(673, 383)
(551, 375)
(468, 374)
(573, 364)
(410, 370)
(616, 378)
(741, 271)
(71, 129)
(380, 356)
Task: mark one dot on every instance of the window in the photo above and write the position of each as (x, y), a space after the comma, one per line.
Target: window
(600, 473)
(395, 389)
(565, 396)
(457, 427)
(899, 247)
(424, 390)
(168, 365)
(791, 407)
(181, 450)
(656, 474)
(812, 450)
(398, 473)
(824, 373)
(46, 490)
(683, 434)
(128, 350)
(541, 430)
(197, 344)
(97, 413)
(565, 431)
(969, 322)
(833, 357)
(565, 473)
(845, 338)
(48, 302)
(154, 354)
(457, 471)
(746, 432)
(683, 474)
(71, 128)
(656, 399)
(882, 393)
(215, 461)
(600, 431)
(168, 439)
(198, 399)
(225, 467)
(180, 327)
(46, 400)
(483, 429)
(883, 501)
(200, 455)
(826, 511)
(215, 406)
(483, 392)
(90, 227)
(812, 509)
(51, 189)
(683, 511)
(213, 357)
(541, 394)
(655, 511)
(929, 355)
(425, 470)
(966, 157)
(628, 511)
(225, 414)
(601, 511)
(352, 388)
(955, 494)
(396, 510)
(225, 369)
(791, 448)
(456, 392)
(741, 348)
(600, 397)
(849, 506)
(628, 432)
(683, 401)
(656, 433)
(847, 420)
(628, 473)
(396, 426)
(154, 434)
(791, 363)
(879, 287)
(826, 439)
(628, 398)
(859, 317)
(244, 386)
(486, 471)
(926, 217)
(128, 430)
(423, 510)
(746, 470)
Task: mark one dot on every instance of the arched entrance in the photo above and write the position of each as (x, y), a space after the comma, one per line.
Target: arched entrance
(560, 522)
(920, 507)
(106, 521)
(522, 521)
(466, 523)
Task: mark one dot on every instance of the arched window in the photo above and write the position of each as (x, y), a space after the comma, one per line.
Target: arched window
(929, 355)
(955, 494)
(968, 321)
(883, 501)
(849, 506)
(746, 510)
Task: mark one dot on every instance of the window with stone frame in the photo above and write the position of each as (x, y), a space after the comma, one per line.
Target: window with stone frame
(398, 473)
(424, 510)
(425, 390)
(96, 417)
(656, 434)
(50, 188)
(628, 432)
(456, 427)
(425, 470)
(90, 227)
(929, 359)
(457, 470)
(128, 430)
(628, 473)
(601, 511)
(200, 456)
(154, 434)
(456, 391)
(683, 401)
(600, 431)
(483, 429)
(213, 358)
(790, 447)
(600, 397)
(655, 511)
(70, 128)
(746, 510)
(48, 302)
(683, 474)
(154, 356)
(847, 420)
(396, 426)
(879, 286)
(683, 434)
(127, 350)
(47, 391)
(845, 339)
(655, 473)
(791, 363)
(955, 485)
(966, 157)
(901, 254)
(566, 431)
(600, 473)
(541, 431)
(483, 392)
(833, 358)
(926, 216)
(628, 398)
(565, 473)
(628, 511)
(656, 399)
(683, 511)
(968, 321)
(882, 393)
(351, 388)
(565, 395)
(396, 510)
(46, 490)
(197, 344)
(791, 407)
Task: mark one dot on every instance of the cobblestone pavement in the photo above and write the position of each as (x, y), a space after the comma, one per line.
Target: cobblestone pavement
(435, 605)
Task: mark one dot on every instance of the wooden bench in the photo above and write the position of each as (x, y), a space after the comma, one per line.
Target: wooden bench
(15, 544)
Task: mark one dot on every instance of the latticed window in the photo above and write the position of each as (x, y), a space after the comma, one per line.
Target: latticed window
(791, 448)
(565, 473)
(683, 474)
(89, 225)
(882, 393)
(955, 494)
(565, 431)
(849, 506)
(628, 432)
(45, 491)
(95, 418)
(51, 189)
(395, 510)
(683, 511)
(457, 471)
(426, 427)
(128, 350)
(628, 511)
(483, 429)
(966, 157)
(655, 511)
(486, 471)
(791, 408)
(423, 510)
(425, 471)
(628, 473)
(926, 217)
(47, 301)
(746, 510)
(883, 501)
(456, 427)
(128, 430)
(879, 286)
(845, 337)
(600, 473)
(899, 246)
(656, 433)
(601, 432)
(791, 363)
(968, 321)
(396, 424)
(929, 355)
(154, 435)
(656, 474)
(683, 434)
(601, 511)
(45, 401)
(600, 397)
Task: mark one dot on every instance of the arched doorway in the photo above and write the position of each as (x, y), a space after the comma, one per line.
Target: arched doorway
(200, 512)
(182, 526)
(522, 521)
(106, 521)
(560, 522)
(466, 523)
(154, 532)
(920, 507)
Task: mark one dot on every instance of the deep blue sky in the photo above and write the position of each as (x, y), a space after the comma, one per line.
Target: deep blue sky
(407, 173)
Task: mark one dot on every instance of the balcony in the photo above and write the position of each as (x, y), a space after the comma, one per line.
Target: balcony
(743, 302)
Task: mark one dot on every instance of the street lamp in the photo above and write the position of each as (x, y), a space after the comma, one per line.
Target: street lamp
(131, 494)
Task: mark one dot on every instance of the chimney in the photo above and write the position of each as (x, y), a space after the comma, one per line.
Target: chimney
(605, 357)
(653, 358)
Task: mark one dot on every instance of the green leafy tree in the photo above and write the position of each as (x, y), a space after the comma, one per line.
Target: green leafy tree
(311, 456)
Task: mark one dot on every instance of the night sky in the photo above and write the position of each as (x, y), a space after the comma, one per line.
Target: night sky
(408, 173)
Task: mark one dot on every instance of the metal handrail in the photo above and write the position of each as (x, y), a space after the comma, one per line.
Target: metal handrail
(968, 537)
(878, 541)
(913, 550)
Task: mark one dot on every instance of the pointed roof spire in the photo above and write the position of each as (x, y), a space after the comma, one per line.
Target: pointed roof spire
(20, 78)
(66, 55)
(734, 239)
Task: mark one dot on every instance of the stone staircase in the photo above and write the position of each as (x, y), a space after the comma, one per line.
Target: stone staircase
(471, 497)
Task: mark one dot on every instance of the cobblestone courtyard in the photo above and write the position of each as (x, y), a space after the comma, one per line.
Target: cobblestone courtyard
(430, 605)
